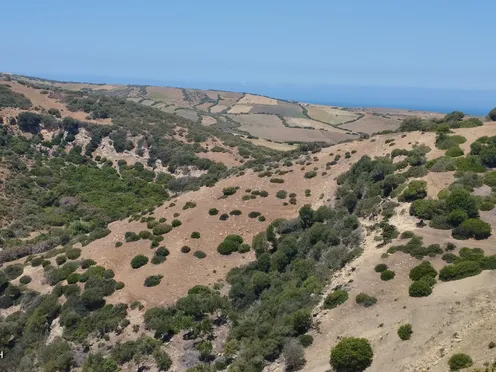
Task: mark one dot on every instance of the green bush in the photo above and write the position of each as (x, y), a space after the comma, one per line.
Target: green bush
(25, 279)
(310, 174)
(139, 261)
(406, 235)
(73, 278)
(281, 194)
(118, 244)
(254, 214)
(73, 253)
(230, 190)
(199, 254)
(335, 299)
(131, 236)
(153, 280)
(195, 235)
(189, 205)
(459, 270)
(145, 234)
(305, 340)
(213, 211)
(60, 260)
(454, 152)
(365, 300)
(405, 332)
(276, 180)
(387, 275)
(176, 223)
(235, 212)
(185, 249)
(13, 271)
(162, 229)
(352, 354)
(460, 361)
(415, 190)
(420, 288)
(243, 248)
(422, 270)
(224, 217)
(36, 261)
(380, 268)
(472, 228)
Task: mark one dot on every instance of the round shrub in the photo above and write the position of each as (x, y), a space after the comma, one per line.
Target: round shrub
(264, 194)
(119, 285)
(176, 223)
(185, 249)
(243, 248)
(254, 214)
(454, 152)
(460, 270)
(365, 300)
(281, 194)
(6, 302)
(305, 340)
(131, 236)
(420, 288)
(25, 279)
(227, 247)
(352, 354)
(139, 261)
(213, 211)
(310, 174)
(156, 260)
(162, 251)
(60, 260)
(460, 361)
(199, 254)
(276, 180)
(472, 228)
(405, 332)
(224, 217)
(195, 235)
(230, 190)
(145, 234)
(13, 271)
(449, 257)
(406, 235)
(87, 263)
(235, 212)
(108, 274)
(37, 261)
(422, 270)
(380, 268)
(161, 229)
(153, 280)
(73, 278)
(118, 244)
(387, 275)
(162, 220)
(262, 218)
(335, 299)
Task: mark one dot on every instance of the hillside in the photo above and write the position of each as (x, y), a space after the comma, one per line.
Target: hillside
(135, 237)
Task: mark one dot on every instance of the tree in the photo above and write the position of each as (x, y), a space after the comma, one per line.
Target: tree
(96, 363)
(461, 199)
(294, 356)
(405, 332)
(460, 361)
(56, 356)
(29, 122)
(352, 355)
(411, 124)
(415, 190)
(306, 216)
(454, 116)
(492, 114)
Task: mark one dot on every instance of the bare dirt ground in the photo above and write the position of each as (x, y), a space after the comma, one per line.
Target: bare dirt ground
(271, 127)
(372, 124)
(330, 115)
(250, 99)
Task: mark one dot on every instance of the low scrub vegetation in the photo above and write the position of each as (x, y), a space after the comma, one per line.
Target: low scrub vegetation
(335, 299)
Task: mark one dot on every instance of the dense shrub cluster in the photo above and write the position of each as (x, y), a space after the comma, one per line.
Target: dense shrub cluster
(230, 244)
(352, 354)
(405, 332)
(335, 299)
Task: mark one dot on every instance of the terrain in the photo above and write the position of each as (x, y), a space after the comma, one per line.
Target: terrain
(137, 233)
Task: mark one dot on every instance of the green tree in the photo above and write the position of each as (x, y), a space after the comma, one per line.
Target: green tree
(306, 215)
(492, 114)
(352, 355)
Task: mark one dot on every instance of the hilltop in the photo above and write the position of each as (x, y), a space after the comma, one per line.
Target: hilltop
(136, 237)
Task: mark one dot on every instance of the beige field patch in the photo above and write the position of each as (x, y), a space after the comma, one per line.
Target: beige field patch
(271, 145)
(166, 94)
(330, 115)
(372, 124)
(271, 127)
(218, 108)
(250, 99)
(240, 109)
(305, 123)
(208, 120)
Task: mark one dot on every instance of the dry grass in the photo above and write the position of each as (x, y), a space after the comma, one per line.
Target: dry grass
(240, 109)
(170, 95)
(330, 115)
(208, 120)
(272, 145)
(372, 124)
(302, 123)
(250, 99)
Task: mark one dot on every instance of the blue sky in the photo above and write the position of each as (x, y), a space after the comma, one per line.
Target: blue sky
(399, 43)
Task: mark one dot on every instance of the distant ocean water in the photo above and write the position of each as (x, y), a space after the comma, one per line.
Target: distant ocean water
(470, 101)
